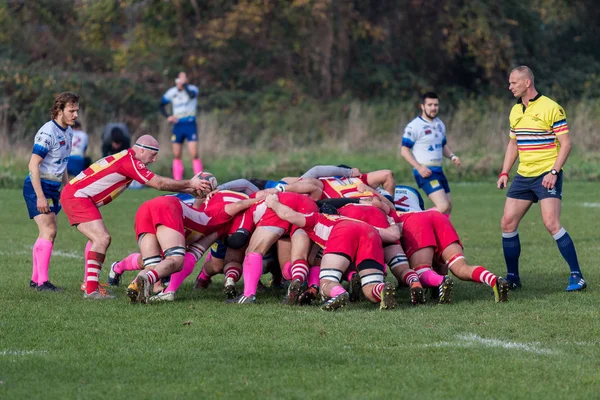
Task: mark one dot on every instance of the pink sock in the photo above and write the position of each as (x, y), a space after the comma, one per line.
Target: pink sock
(177, 169)
(197, 165)
(129, 263)
(189, 262)
(204, 276)
(336, 290)
(286, 271)
(252, 270)
(313, 276)
(43, 251)
(88, 246)
(428, 277)
(34, 274)
(349, 275)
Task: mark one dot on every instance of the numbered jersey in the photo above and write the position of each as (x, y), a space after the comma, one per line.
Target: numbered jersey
(426, 140)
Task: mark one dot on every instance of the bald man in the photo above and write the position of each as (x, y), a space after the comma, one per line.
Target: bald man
(100, 184)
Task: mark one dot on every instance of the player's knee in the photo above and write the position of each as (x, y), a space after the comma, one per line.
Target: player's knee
(445, 207)
(103, 239)
(552, 225)
(238, 239)
(508, 224)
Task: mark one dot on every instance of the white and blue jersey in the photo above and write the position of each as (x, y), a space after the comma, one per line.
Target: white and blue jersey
(53, 144)
(184, 104)
(425, 140)
(79, 147)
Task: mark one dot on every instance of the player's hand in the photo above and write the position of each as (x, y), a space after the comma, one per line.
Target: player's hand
(173, 119)
(355, 173)
(456, 161)
(42, 205)
(211, 194)
(424, 171)
(502, 182)
(549, 181)
(271, 199)
(200, 185)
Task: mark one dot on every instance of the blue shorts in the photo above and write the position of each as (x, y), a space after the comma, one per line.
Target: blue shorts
(531, 189)
(218, 250)
(75, 165)
(184, 130)
(434, 182)
(273, 184)
(51, 191)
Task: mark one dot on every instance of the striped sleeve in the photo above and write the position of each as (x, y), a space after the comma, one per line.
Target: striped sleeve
(559, 121)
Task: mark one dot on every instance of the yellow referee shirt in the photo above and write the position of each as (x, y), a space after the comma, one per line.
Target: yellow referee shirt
(535, 128)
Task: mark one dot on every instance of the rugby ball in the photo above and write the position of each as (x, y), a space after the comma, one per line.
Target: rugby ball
(207, 176)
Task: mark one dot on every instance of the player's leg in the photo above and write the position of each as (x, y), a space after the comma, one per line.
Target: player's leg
(178, 168)
(284, 256)
(551, 208)
(398, 263)
(232, 268)
(97, 233)
(132, 262)
(330, 281)
(193, 150)
(172, 245)
(514, 210)
(383, 177)
(150, 252)
(421, 261)
(441, 201)
(314, 259)
(300, 268)
(260, 242)
(42, 252)
(457, 264)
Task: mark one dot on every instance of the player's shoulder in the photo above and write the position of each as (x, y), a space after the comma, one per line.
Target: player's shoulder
(193, 88)
(170, 92)
(416, 122)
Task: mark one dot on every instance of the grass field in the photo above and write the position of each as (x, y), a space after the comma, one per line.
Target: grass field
(543, 343)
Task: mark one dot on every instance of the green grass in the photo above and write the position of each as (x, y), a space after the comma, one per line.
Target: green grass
(544, 343)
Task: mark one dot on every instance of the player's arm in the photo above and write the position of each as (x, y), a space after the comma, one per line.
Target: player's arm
(329, 170)
(36, 182)
(233, 209)
(284, 212)
(190, 91)
(408, 156)
(239, 185)
(65, 178)
(512, 152)
(446, 152)
(563, 153)
(390, 234)
(170, 185)
(306, 186)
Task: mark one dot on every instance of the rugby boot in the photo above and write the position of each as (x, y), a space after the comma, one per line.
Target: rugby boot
(417, 293)
(293, 293)
(388, 297)
(501, 290)
(229, 289)
(336, 303)
(307, 297)
(445, 290)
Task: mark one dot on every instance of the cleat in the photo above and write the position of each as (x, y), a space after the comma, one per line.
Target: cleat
(32, 285)
(307, 297)
(162, 297)
(445, 290)
(388, 297)
(260, 287)
(576, 283)
(98, 295)
(48, 287)
(514, 282)
(133, 291)
(114, 279)
(201, 284)
(293, 293)
(501, 290)
(241, 299)
(337, 302)
(355, 288)
(417, 293)
(229, 289)
(144, 288)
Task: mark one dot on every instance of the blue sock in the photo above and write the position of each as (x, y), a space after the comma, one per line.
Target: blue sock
(567, 249)
(512, 250)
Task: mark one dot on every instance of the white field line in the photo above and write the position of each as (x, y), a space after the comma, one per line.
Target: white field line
(55, 253)
(472, 340)
(591, 205)
(21, 352)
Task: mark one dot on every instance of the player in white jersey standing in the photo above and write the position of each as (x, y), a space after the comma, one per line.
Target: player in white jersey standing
(424, 146)
(78, 160)
(41, 190)
(184, 102)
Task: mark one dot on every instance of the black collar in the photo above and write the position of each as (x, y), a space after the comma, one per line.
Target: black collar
(520, 101)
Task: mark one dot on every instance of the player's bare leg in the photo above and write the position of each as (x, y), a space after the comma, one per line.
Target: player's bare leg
(421, 261)
(398, 263)
(97, 233)
(442, 201)
(375, 289)
(457, 264)
(333, 267)
(384, 177)
(300, 268)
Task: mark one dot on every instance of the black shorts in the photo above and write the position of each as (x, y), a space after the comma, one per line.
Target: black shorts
(531, 189)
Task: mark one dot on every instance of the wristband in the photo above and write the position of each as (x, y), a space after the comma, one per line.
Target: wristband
(503, 174)
(280, 188)
(453, 156)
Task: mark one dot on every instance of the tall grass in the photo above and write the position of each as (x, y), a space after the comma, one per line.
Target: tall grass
(271, 143)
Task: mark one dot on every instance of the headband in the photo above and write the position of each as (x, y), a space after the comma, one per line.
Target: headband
(144, 146)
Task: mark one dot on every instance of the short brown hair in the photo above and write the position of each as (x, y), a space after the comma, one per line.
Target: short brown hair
(61, 101)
